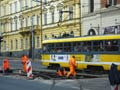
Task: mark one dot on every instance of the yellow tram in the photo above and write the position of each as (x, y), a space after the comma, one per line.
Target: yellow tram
(91, 52)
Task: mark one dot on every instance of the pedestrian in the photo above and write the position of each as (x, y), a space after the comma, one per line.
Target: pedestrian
(6, 66)
(72, 66)
(24, 62)
(61, 72)
(114, 77)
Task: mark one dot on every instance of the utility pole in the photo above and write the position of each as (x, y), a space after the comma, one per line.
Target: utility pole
(40, 28)
(41, 22)
(32, 34)
(80, 22)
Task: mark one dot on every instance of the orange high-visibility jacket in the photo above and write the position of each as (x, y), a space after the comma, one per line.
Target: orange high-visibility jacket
(72, 62)
(61, 73)
(24, 59)
(6, 64)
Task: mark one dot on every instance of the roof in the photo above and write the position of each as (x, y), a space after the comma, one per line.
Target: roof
(86, 38)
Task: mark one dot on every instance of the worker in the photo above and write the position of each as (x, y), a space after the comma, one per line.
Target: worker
(72, 66)
(6, 65)
(61, 72)
(24, 62)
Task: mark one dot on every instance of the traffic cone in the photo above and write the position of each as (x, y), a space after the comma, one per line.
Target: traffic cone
(29, 70)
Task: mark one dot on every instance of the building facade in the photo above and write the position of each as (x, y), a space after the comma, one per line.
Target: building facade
(62, 19)
(26, 23)
(100, 17)
(18, 19)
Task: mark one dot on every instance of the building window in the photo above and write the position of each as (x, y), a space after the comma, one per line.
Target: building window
(11, 44)
(31, 3)
(16, 43)
(91, 6)
(115, 2)
(38, 20)
(60, 15)
(37, 3)
(15, 23)
(21, 46)
(26, 4)
(20, 1)
(32, 20)
(16, 6)
(21, 19)
(11, 8)
(4, 8)
(21, 23)
(53, 16)
(111, 2)
(45, 37)
(45, 18)
(5, 48)
(70, 12)
(45, 2)
(0, 10)
(71, 34)
(11, 25)
(26, 45)
(38, 41)
(3, 27)
(26, 21)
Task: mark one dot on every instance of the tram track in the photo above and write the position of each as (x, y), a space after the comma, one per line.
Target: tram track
(51, 74)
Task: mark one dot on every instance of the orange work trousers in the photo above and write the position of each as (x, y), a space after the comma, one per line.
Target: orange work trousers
(72, 71)
(24, 67)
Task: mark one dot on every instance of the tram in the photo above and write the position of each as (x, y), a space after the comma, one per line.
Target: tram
(91, 52)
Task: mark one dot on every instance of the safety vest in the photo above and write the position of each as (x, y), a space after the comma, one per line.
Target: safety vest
(6, 64)
(72, 62)
(61, 72)
(24, 59)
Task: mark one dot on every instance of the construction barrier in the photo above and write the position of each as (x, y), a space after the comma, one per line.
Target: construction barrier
(29, 69)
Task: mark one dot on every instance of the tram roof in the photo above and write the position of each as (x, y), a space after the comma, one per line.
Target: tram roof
(86, 38)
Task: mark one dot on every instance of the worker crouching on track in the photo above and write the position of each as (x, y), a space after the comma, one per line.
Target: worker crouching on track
(6, 66)
(72, 65)
(61, 72)
(24, 62)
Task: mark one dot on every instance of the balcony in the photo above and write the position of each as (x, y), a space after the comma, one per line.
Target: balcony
(27, 30)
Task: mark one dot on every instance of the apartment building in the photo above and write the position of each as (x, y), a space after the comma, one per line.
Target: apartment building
(19, 18)
(100, 17)
(26, 23)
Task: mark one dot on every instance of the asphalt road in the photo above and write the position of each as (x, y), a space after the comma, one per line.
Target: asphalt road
(7, 83)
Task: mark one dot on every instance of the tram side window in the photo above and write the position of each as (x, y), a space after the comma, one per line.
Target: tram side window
(45, 48)
(87, 46)
(51, 48)
(77, 47)
(111, 45)
(98, 46)
(59, 48)
(67, 47)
